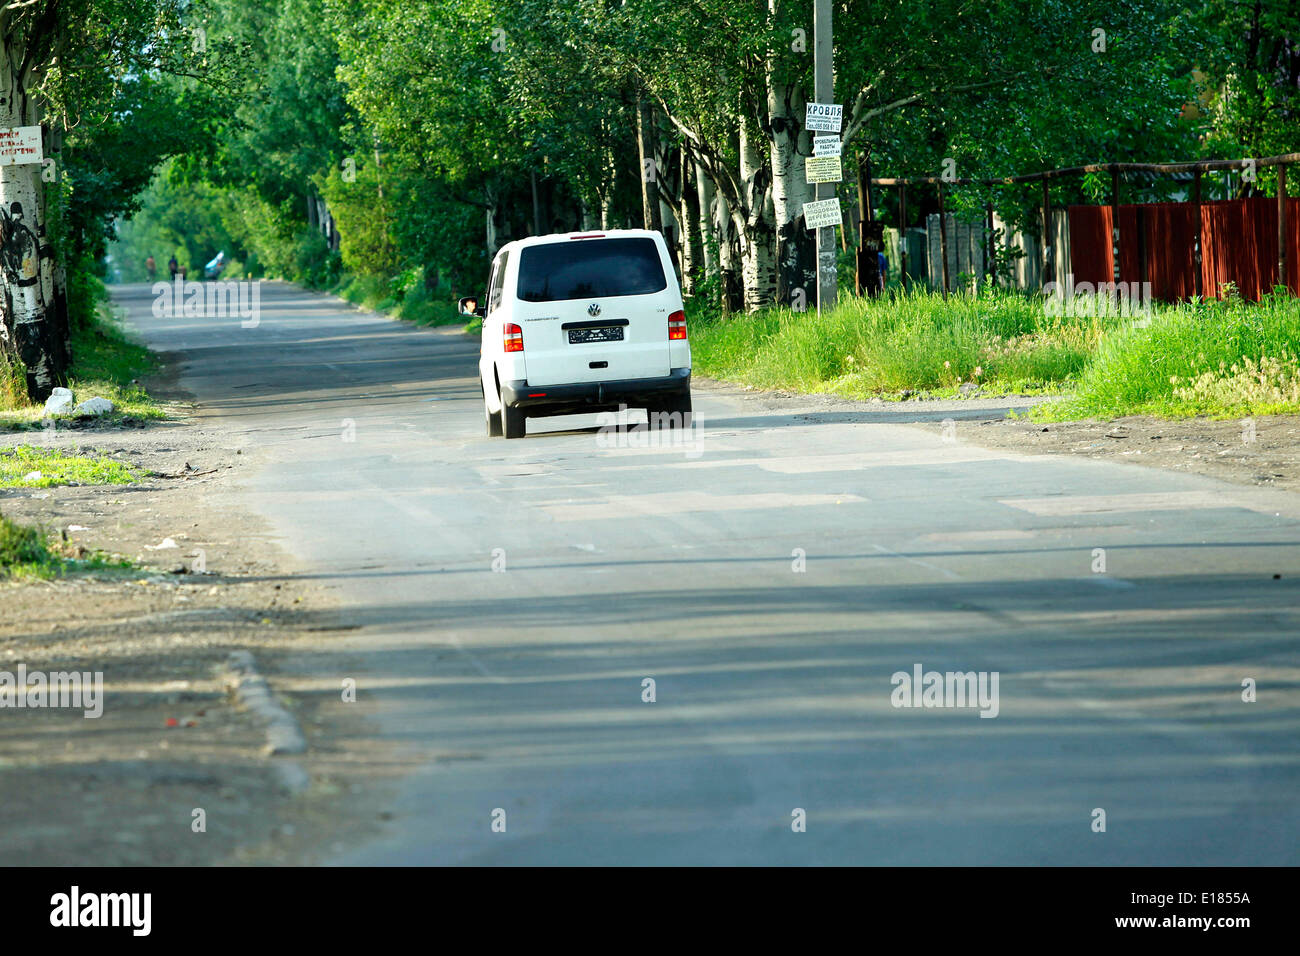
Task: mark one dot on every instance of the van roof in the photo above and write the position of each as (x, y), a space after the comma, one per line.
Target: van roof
(594, 234)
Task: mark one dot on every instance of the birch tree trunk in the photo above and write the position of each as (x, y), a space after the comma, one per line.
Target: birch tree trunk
(754, 222)
(609, 182)
(705, 191)
(728, 253)
(26, 305)
(796, 248)
(490, 223)
(669, 223)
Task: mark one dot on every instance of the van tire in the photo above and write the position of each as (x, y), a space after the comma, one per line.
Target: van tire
(513, 421)
(676, 412)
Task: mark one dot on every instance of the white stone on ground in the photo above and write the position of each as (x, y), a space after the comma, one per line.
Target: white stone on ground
(59, 402)
(95, 406)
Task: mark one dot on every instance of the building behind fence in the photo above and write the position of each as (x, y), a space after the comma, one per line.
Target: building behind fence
(1240, 241)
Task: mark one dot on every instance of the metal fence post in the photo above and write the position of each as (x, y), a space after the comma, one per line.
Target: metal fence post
(943, 240)
(902, 234)
(1048, 265)
(1114, 217)
(1196, 241)
(1281, 227)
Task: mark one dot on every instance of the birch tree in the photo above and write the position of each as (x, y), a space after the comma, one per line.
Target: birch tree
(62, 63)
(31, 40)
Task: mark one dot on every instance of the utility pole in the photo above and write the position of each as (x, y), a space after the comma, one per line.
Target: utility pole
(823, 67)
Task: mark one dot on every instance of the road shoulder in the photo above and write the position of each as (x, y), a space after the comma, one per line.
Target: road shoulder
(175, 771)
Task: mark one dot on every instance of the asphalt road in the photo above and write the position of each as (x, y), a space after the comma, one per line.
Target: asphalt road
(521, 690)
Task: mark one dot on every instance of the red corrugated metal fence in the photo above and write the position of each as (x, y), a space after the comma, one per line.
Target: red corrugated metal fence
(1238, 242)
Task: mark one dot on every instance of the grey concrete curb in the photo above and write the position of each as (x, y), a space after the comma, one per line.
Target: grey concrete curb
(283, 735)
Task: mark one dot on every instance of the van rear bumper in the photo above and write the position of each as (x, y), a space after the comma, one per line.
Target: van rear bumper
(541, 400)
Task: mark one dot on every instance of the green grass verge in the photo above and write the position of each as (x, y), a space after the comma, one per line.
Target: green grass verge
(1004, 342)
(52, 467)
(26, 552)
(1218, 358)
(1222, 359)
(107, 363)
(404, 297)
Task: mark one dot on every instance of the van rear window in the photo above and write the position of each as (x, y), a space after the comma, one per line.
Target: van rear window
(590, 269)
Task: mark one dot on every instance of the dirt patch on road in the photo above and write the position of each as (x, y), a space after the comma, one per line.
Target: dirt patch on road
(124, 788)
(1263, 451)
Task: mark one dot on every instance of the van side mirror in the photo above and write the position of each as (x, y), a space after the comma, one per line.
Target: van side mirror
(469, 305)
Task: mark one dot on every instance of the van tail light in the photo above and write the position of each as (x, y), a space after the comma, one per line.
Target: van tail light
(677, 325)
(514, 338)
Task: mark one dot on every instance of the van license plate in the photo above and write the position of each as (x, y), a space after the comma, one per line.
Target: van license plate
(609, 333)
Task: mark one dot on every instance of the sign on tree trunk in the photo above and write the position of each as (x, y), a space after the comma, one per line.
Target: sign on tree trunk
(826, 146)
(823, 169)
(824, 117)
(823, 213)
(20, 145)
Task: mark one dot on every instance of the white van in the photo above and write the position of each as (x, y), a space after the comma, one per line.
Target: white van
(579, 323)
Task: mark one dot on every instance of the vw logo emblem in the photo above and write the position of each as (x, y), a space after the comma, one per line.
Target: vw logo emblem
(593, 310)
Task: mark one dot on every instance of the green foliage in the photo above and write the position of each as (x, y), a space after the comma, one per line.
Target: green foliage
(24, 466)
(1144, 370)
(406, 296)
(103, 73)
(1011, 87)
(430, 129)
(365, 220)
(1248, 65)
(13, 381)
(23, 551)
(26, 552)
(1001, 341)
(315, 264)
(192, 221)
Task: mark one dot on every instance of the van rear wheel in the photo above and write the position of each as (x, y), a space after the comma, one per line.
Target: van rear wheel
(512, 421)
(674, 412)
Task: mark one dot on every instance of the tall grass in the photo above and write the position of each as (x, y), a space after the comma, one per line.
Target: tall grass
(403, 296)
(1183, 363)
(1002, 341)
(23, 551)
(31, 552)
(1199, 358)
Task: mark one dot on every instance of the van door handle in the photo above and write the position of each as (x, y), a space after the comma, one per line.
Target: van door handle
(598, 365)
